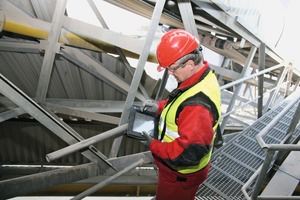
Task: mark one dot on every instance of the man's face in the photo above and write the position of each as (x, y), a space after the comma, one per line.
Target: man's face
(180, 71)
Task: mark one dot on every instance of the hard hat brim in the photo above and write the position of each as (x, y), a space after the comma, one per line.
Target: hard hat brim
(160, 68)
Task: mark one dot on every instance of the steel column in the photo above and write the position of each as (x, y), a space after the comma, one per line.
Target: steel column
(261, 64)
(187, 16)
(52, 47)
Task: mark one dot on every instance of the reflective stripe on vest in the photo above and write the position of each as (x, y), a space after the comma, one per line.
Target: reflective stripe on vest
(210, 87)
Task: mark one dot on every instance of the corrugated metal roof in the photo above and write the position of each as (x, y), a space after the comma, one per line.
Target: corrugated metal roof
(27, 142)
(39, 9)
(67, 79)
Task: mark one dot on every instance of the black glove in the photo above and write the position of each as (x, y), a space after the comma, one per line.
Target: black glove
(149, 105)
(148, 139)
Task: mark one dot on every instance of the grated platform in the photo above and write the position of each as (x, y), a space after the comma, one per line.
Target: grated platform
(234, 163)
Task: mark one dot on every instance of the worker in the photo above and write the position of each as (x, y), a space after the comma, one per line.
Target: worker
(188, 118)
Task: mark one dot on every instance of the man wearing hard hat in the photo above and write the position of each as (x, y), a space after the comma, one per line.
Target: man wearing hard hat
(188, 118)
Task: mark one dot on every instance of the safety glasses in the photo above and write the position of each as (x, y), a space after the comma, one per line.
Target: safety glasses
(173, 69)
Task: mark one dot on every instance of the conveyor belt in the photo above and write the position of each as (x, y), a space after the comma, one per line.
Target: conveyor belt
(234, 163)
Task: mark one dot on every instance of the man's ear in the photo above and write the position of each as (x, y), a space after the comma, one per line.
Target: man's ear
(191, 64)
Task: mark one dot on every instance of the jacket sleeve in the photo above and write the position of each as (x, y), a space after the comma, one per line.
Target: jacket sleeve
(195, 127)
(161, 105)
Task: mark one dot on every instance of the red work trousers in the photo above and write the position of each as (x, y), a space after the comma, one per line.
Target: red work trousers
(175, 186)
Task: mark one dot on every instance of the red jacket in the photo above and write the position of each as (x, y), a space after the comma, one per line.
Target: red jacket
(195, 126)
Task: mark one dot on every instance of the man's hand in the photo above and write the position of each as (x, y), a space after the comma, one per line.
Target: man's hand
(149, 105)
(148, 139)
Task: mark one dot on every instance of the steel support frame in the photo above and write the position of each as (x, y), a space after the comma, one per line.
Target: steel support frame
(119, 50)
(246, 72)
(108, 180)
(86, 105)
(52, 47)
(53, 123)
(277, 87)
(48, 119)
(11, 114)
(138, 73)
(234, 25)
(82, 114)
(132, 83)
(95, 34)
(92, 70)
(44, 116)
(94, 67)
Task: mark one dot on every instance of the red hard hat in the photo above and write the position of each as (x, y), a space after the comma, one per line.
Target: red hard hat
(174, 45)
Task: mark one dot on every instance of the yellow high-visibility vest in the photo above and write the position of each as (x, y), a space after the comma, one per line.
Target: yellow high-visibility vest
(210, 88)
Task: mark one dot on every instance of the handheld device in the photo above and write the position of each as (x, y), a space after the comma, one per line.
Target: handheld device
(141, 121)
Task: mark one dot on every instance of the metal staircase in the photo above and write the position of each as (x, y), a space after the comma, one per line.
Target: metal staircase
(242, 157)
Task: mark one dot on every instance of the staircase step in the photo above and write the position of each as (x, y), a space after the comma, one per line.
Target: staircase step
(286, 179)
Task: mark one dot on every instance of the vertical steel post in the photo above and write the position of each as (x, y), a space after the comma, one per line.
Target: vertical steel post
(138, 72)
(261, 60)
(262, 174)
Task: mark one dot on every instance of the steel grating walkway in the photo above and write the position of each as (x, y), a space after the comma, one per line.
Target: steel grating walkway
(234, 163)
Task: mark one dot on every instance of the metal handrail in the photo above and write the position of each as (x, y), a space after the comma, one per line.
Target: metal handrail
(115, 132)
(233, 83)
(270, 150)
(223, 87)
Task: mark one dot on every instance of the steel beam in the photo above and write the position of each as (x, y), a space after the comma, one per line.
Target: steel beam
(108, 180)
(94, 34)
(11, 114)
(123, 161)
(245, 72)
(49, 120)
(96, 69)
(87, 142)
(138, 72)
(40, 181)
(22, 47)
(119, 50)
(234, 25)
(52, 47)
(83, 114)
(87, 105)
(187, 16)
